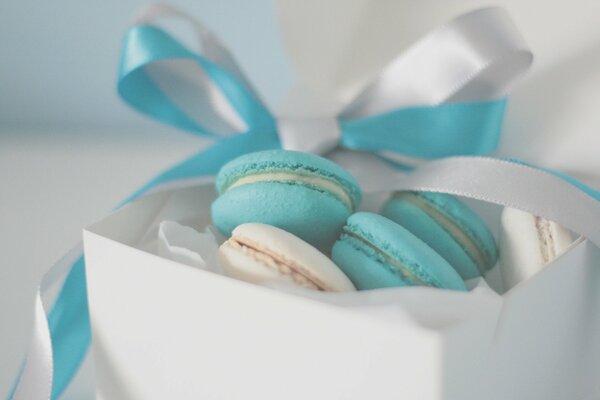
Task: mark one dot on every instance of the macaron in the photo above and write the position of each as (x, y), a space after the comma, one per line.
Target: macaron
(304, 194)
(448, 226)
(264, 254)
(375, 252)
(527, 244)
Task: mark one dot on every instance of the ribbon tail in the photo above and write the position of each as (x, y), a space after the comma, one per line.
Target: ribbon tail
(69, 325)
(35, 378)
(209, 161)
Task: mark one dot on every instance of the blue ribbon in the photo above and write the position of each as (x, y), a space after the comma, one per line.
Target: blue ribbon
(69, 325)
(425, 132)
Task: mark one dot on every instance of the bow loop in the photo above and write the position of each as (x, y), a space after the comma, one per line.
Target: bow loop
(429, 132)
(439, 98)
(443, 96)
(474, 57)
(203, 93)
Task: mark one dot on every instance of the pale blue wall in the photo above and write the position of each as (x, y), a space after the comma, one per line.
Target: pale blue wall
(58, 59)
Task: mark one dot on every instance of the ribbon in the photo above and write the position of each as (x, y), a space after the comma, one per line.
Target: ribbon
(539, 191)
(444, 96)
(35, 380)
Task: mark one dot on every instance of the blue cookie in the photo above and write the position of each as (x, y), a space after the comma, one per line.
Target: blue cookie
(448, 226)
(306, 195)
(375, 252)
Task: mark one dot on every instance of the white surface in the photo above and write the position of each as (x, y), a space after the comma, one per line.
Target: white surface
(57, 98)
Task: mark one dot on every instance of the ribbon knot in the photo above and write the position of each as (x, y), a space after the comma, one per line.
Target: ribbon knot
(316, 135)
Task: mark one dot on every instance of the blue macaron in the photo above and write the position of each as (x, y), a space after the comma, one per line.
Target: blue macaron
(304, 194)
(375, 252)
(448, 226)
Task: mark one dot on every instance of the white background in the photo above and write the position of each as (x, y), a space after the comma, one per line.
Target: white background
(70, 150)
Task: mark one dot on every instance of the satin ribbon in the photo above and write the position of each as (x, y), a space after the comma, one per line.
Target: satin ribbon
(539, 191)
(443, 96)
(35, 379)
(422, 105)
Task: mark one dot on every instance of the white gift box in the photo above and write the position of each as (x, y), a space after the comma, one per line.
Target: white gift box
(167, 330)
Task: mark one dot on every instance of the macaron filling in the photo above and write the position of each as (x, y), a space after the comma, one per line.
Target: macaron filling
(363, 244)
(466, 242)
(317, 182)
(546, 239)
(277, 262)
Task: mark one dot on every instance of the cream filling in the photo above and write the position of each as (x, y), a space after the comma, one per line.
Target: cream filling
(546, 239)
(321, 183)
(276, 262)
(402, 268)
(450, 226)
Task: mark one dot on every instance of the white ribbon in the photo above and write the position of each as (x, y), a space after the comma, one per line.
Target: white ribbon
(474, 57)
(509, 184)
(35, 381)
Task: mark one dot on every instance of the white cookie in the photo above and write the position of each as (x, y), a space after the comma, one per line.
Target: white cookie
(263, 254)
(527, 244)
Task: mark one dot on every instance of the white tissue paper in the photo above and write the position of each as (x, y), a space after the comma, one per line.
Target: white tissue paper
(162, 313)
(187, 246)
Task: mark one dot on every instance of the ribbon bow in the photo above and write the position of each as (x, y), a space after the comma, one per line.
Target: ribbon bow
(443, 96)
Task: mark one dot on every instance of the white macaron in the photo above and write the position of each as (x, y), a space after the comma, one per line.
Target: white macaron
(527, 244)
(264, 254)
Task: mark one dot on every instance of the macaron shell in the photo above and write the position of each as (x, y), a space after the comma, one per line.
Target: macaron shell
(427, 229)
(314, 216)
(364, 270)
(520, 248)
(288, 161)
(403, 246)
(467, 219)
(272, 240)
